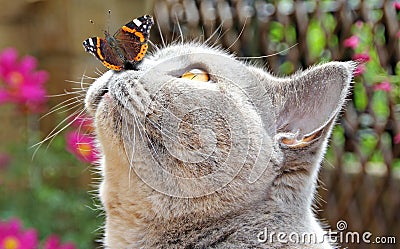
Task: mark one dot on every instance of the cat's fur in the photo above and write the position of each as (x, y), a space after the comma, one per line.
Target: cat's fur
(267, 134)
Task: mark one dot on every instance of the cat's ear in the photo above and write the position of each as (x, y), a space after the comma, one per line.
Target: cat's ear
(308, 102)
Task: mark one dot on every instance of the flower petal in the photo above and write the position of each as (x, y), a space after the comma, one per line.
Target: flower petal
(39, 77)
(396, 5)
(396, 139)
(52, 242)
(82, 146)
(32, 93)
(351, 42)
(362, 57)
(4, 97)
(8, 61)
(29, 239)
(27, 64)
(383, 86)
(359, 69)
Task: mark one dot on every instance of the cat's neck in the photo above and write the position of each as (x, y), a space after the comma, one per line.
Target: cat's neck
(130, 204)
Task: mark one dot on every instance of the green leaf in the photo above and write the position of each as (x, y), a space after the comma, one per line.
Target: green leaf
(276, 32)
(360, 96)
(380, 105)
(316, 40)
(286, 68)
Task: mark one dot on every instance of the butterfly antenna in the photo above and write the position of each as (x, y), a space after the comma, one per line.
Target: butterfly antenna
(97, 26)
(108, 21)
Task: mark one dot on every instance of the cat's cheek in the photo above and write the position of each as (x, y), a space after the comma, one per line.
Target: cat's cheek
(103, 126)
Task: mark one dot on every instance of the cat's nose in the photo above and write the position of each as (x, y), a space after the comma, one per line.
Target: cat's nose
(97, 90)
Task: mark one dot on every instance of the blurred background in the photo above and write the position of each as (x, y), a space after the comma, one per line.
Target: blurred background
(47, 190)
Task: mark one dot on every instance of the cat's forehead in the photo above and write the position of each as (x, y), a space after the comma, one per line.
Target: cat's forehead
(176, 50)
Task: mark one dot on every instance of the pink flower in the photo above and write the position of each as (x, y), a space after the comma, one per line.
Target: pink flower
(13, 237)
(362, 57)
(20, 83)
(396, 139)
(5, 160)
(351, 42)
(359, 24)
(82, 146)
(396, 5)
(53, 242)
(359, 69)
(383, 86)
(83, 123)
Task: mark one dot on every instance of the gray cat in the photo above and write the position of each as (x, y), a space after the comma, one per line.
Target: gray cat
(200, 150)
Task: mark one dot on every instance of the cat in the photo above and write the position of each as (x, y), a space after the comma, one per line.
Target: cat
(202, 150)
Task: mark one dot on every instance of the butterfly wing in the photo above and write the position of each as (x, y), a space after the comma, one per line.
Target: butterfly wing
(132, 38)
(102, 50)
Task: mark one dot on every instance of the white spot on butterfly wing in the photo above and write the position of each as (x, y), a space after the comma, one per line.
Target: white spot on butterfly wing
(91, 43)
(137, 22)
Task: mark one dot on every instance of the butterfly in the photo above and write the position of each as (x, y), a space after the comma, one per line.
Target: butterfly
(126, 48)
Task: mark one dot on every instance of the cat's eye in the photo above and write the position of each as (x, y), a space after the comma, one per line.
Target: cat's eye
(196, 74)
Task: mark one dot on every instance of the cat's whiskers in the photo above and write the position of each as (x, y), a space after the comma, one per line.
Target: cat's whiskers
(98, 72)
(79, 82)
(132, 140)
(74, 104)
(80, 96)
(66, 93)
(219, 38)
(130, 157)
(84, 76)
(161, 35)
(79, 90)
(175, 139)
(269, 55)
(218, 31)
(238, 37)
(57, 130)
(155, 48)
(140, 126)
(179, 28)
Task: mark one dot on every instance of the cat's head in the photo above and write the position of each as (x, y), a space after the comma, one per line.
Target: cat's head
(196, 130)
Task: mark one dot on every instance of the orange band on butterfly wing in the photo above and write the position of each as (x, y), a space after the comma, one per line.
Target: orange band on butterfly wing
(110, 66)
(133, 31)
(98, 50)
(140, 55)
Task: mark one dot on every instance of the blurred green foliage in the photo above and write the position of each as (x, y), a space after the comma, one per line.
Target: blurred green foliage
(376, 91)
